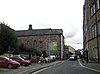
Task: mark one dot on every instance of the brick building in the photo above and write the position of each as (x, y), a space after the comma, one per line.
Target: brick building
(42, 40)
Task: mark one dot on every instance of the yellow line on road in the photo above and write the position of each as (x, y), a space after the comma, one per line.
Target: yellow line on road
(88, 67)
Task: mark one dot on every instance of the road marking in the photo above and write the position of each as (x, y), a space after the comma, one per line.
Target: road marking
(41, 70)
(88, 67)
(47, 67)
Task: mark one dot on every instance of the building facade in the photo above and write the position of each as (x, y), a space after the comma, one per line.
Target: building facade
(71, 50)
(91, 30)
(49, 40)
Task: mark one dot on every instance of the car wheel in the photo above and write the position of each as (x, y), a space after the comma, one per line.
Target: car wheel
(26, 64)
(10, 66)
(23, 64)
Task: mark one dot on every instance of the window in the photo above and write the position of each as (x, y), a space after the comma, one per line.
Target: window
(99, 27)
(95, 53)
(41, 44)
(98, 4)
(93, 9)
(94, 31)
(2, 59)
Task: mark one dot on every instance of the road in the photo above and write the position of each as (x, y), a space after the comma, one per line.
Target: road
(68, 67)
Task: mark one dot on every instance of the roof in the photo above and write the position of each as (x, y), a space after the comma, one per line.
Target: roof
(35, 32)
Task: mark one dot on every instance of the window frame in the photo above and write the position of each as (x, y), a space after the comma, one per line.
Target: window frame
(94, 30)
(99, 27)
(98, 4)
(93, 9)
(95, 53)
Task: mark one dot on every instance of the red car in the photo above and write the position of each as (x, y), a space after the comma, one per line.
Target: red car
(35, 59)
(21, 61)
(9, 63)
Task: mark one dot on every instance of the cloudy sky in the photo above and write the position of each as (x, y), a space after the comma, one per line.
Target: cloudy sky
(55, 14)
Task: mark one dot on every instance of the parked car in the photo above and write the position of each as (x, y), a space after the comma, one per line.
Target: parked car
(52, 58)
(35, 59)
(22, 56)
(73, 57)
(8, 63)
(21, 61)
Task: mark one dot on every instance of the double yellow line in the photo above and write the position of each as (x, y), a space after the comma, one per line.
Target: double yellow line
(88, 67)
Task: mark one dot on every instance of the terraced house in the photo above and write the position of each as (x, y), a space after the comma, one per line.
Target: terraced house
(50, 40)
(91, 30)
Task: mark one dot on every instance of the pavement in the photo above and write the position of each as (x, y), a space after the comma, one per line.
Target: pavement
(91, 66)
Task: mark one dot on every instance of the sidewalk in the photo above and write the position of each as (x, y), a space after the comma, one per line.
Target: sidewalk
(92, 66)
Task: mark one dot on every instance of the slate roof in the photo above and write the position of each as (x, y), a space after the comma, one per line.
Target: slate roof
(35, 32)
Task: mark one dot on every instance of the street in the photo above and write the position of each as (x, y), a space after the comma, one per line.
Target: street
(68, 67)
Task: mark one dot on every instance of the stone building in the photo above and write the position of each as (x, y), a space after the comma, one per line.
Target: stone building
(91, 30)
(49, 40)
(71, 50)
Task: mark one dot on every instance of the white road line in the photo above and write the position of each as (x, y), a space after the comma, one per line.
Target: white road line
(46, 68)
(88, 67)
(41, 70)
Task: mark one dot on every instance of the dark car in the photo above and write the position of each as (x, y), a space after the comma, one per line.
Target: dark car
(21, 61)
(8, 63)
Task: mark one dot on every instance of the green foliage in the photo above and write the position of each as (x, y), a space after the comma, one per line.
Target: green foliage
(7, 37)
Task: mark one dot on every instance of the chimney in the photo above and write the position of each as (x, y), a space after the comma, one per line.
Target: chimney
(30, 27)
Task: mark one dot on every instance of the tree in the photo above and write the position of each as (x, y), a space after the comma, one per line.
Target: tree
(7, 38)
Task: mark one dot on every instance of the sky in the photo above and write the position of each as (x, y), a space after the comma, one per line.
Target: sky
(56, 14)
